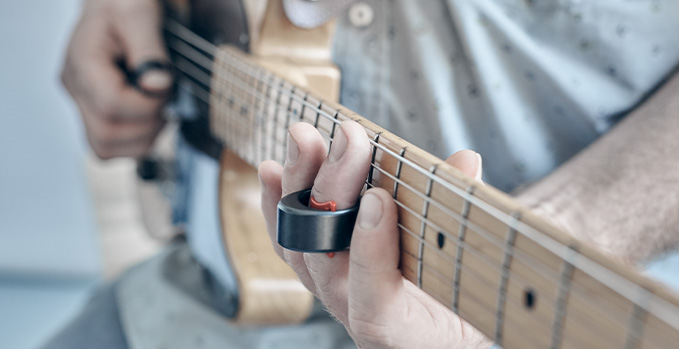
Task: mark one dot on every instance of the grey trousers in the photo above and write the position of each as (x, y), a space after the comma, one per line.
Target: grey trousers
(97, 326)
(148, 308)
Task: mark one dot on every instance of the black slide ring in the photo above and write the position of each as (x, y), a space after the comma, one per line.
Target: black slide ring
(305, 229)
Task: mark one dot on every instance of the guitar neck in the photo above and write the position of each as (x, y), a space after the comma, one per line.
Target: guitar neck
(518, 279)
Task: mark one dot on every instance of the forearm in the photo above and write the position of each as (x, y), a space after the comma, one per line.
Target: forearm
(622, 192)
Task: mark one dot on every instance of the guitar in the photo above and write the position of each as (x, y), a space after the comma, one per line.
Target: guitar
(515, 277)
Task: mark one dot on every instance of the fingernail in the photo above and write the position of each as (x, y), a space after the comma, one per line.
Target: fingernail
(339, 145)
(293, 151)
(370, 212)
(156, 80)
(479, 167)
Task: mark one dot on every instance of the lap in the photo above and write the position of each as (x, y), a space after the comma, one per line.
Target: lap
(96, 326)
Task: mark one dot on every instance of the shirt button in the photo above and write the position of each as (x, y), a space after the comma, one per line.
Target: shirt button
(361, 15)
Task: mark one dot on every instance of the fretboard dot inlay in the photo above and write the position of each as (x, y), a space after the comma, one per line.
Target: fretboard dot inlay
(441, 240)
(529, 298)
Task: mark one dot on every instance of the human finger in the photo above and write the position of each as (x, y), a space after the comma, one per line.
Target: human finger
(468, 162)
(91, 72)
(340, 179)
(374, 263)
(305, 153)
(139, 25)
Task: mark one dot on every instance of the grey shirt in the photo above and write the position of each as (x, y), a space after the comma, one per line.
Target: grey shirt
(527, 84)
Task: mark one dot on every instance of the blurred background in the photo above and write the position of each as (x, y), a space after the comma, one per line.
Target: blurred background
(68, 222)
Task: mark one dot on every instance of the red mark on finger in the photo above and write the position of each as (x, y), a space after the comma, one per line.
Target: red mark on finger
(326, 206)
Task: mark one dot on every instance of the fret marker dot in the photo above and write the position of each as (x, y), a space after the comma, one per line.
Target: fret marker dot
(441, 240)
(529, 298)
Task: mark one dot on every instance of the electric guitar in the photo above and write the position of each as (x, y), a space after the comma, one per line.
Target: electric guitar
(518, 279)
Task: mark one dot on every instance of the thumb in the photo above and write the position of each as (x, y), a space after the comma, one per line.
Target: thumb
(375, 281)
(139, 25)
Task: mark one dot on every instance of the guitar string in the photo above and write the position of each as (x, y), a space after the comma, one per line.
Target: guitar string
(311, 106)
(476, 253)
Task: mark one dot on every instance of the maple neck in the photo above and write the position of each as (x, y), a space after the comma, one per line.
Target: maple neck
(518, 279)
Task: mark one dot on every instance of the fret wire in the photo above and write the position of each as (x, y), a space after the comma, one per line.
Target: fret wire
(504, 278)
(423, 225)
(231, 87)
(447, 257)
(251, 124)
(260, 118)
(234, 119)
(262, 133)
(257, 116)
(266, 111)
(560, 304)
(636, 323)
(332, 133)
(289, 115)
(301, 112)
(243, 115)
(376, 140)
(399, 166)
(462, 231)
(318, 113)
(277, 105)
(659, 307)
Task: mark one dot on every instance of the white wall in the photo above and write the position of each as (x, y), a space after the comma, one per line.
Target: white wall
(49, 258)
(46, 222)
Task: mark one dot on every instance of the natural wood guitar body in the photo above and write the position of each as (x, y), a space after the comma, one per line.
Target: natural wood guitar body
(270, 292)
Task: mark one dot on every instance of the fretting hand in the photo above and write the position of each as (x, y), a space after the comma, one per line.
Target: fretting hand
(363, 287)
(120, 121)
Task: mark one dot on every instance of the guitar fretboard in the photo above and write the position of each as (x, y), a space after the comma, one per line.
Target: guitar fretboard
(519, 280)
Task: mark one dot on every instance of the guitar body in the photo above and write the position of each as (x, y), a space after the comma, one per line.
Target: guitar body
(269, 292)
